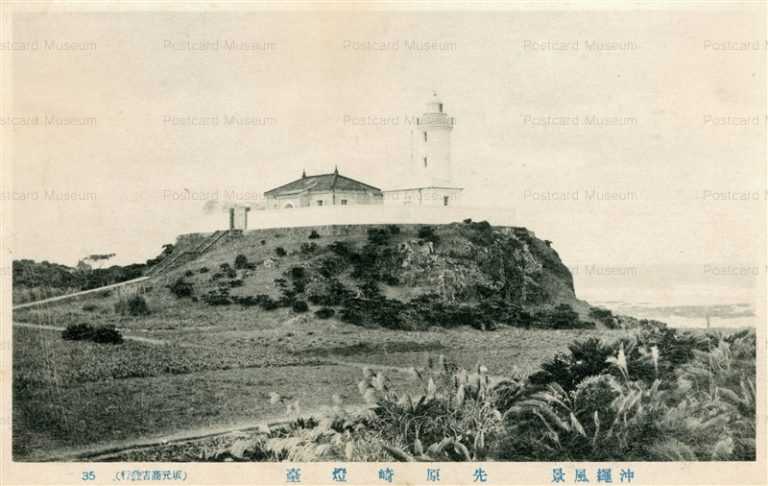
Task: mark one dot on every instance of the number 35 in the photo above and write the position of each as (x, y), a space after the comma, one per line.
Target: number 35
(89, 475)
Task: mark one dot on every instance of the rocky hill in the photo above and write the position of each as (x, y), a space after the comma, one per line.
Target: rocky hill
(404, 277)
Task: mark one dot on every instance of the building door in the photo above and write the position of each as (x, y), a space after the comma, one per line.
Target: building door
(445, 200)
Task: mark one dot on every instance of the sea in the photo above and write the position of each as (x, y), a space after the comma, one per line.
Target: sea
(682, 295)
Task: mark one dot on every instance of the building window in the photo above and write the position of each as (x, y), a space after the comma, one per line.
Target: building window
(320, 202)
(425, 137)
(445, 200)
(425, 161)
(440, 107)
(343, 202)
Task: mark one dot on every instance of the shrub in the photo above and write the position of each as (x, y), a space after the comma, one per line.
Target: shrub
(235, 283)
(86, 332)
(134, 306)
(267, 303)
(585, 358)
(325, 313)
(308, 248)
(241, 261)
(280, 251)
(217, 297)
(90, 307)
(427, 233)
(561, 317)
(107, 335)
(341, 248)
(330, 266)
(203, 270)
(77, 332)
(263, 242)
(393, 229)
(314, 235)
(189, 273)
(226, 270)
(298, 273)
(181, 288)
(299, 306)
(479, 233)
(378, 236)
(604, 316)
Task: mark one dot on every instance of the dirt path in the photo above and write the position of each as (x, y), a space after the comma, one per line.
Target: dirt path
(104, 452)
(82, 293)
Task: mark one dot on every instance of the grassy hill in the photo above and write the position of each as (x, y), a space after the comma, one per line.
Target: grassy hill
(401, 277)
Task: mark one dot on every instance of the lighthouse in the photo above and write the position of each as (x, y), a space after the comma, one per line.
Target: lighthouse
(430, 178)
(432, 164)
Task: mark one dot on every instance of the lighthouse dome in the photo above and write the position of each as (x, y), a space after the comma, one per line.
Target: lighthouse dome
(434, 105)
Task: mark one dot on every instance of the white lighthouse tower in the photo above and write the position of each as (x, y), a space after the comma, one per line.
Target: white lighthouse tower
(430, 181)
(433, 138)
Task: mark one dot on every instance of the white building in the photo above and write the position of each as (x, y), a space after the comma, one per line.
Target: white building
(430, 182)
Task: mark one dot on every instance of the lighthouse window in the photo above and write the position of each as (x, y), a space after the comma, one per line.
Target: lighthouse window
(425, 161)
(425, 136)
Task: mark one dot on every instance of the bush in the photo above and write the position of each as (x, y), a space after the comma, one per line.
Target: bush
(561, 317)
(298, 273)
(86, 332)
(261, 300)
(325, 313)
(299, 306)
(604, 316)
(313, 235)
(77, 332)
(280, 251)
(330, 266)
(267, 303)
(203, 270)
(585, 358)
(226, 270)
(341, 248)
(189, 273)
(308, 248)
(217, 297)
(241, 262)
(378, 236)
(107, 335)
(90, 307)
(393, 229)
(427, 233)
(181, 288)
(480, 233)
(263, 242)
(134, 306)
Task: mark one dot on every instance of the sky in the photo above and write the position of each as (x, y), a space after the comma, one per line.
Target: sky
(626, 138)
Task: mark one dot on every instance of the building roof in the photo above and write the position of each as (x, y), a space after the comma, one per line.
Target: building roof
(321, 183)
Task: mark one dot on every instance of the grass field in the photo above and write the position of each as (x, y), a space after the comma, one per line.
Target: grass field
(215, 367)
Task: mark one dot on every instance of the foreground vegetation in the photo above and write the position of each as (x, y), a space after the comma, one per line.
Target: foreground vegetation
(657, 395)
(220, 372)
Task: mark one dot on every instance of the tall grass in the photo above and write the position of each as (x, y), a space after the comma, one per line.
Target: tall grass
(657, 396)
